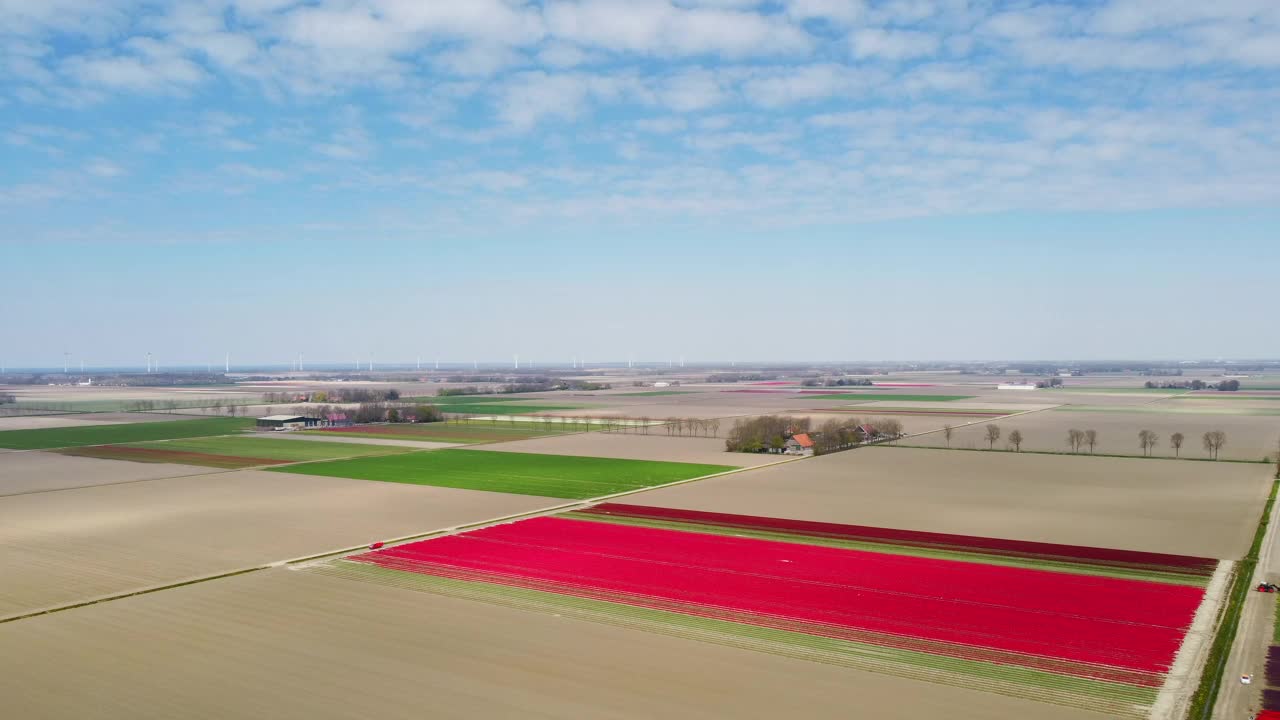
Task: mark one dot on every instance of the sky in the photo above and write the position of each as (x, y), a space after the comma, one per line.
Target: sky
(718, 179)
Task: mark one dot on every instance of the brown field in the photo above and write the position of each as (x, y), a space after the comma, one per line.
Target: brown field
(1201, 509)
(291, 645)
(41, 422)
(1248, 437)
(33, 472)
(636, 447)
(156, 455)
(65, 547)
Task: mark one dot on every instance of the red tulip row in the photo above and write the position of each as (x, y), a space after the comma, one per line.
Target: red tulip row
(1106, 557)
(1127, 626)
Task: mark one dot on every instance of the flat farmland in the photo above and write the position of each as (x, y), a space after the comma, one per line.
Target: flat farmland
(1199, 509)
(65, 547)
(1248, 438)
(232, 452)
(115, 434)
(335, 649)
(559, 476)
(27, 472)
(470, 431)
(44, 422)
(635, 447)
(1099, 631)
(883, 396)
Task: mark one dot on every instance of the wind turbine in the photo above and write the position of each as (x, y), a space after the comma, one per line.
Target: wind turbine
(66, 358)
(227, 363)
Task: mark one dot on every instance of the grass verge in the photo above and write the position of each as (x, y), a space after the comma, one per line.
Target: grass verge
(1206, 693)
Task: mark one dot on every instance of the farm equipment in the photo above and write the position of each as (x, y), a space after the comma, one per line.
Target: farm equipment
(1267, 587)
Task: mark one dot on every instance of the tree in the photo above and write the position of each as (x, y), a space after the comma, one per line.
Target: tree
(1015, 439)
(1175, 442)
(1213, 442)
(1147, 440)
(993, 434)
(1091, 439)
(947, 432)
(1075, 438)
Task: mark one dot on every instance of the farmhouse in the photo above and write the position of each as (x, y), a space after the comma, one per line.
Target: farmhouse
(287, 422)
(799, 444)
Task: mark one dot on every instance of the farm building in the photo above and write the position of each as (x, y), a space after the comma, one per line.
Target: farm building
(287, 422)
(799, 444)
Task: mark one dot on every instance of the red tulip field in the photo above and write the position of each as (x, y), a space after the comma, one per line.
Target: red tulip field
(1092, 628)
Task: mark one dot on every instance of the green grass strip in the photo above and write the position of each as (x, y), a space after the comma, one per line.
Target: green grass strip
(558, 476)
(907, 550)
(1206, 694)
(1114, 699)
(118, 434)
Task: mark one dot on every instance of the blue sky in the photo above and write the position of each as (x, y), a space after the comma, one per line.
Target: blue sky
(818, 179)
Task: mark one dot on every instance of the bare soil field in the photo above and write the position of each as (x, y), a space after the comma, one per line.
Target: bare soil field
(40, 422)
(70, 546)
(658, 411)
(35, 471)
(636, 447)
(298, 645)
(1201, 509)
(1248, 438)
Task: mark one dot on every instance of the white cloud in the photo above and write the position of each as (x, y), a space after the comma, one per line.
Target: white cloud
(844, 12)
(894, 44)
(695, 89)
(657, 27)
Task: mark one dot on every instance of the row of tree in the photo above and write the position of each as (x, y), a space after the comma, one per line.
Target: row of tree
(1223, 385)
(770, 433)
(1213, 440)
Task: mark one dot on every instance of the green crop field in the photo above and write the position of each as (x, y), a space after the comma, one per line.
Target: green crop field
(272, 448)
(559, 476)
(894, 397)
(116, 434)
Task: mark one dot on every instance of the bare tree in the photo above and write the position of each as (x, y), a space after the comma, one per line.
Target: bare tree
(1015, 439)
(1147, 440)
(993, 434)
(947, 432)
(1091, 439)
(715, 427)
(1075, 438)
(1213, 442)
(1175, 442)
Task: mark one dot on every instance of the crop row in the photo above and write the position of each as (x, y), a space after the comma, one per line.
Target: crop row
(1180, 564)
(1124, 624)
